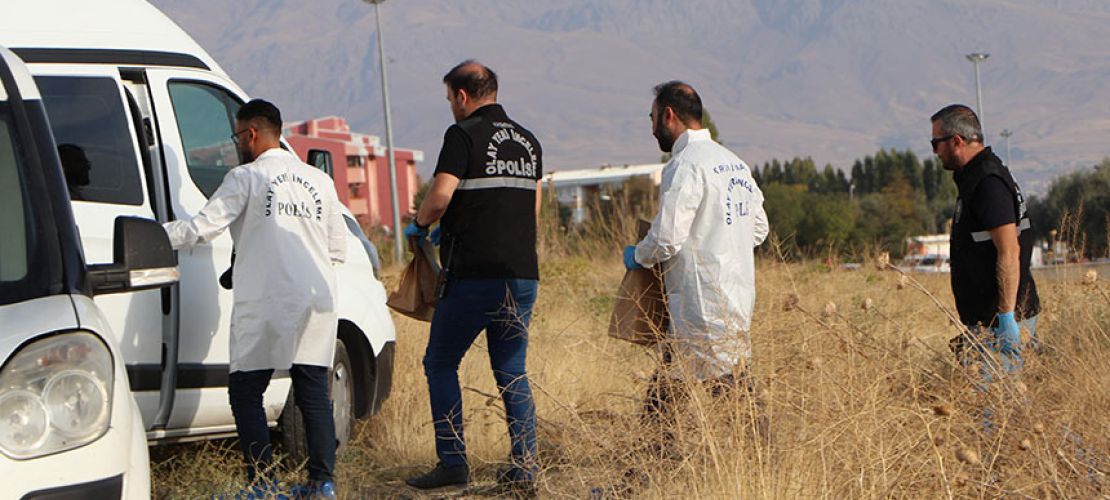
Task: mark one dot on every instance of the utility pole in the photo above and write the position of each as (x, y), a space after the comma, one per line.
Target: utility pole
(1006, 133)
(398, 246)
(975, 59)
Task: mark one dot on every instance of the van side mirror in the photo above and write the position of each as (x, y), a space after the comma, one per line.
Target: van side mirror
(143, 259)
(321, 159)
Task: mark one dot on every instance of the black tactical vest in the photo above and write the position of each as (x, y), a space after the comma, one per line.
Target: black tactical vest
(490, 224)
(974, 256)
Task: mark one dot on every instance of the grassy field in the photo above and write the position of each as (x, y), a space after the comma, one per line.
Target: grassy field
(863, 397)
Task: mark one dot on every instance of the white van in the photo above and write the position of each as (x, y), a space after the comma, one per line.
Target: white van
(143, 119)
(69, 427)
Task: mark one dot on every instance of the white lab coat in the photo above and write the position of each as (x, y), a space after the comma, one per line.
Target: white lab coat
(288, 228)
(709, 222)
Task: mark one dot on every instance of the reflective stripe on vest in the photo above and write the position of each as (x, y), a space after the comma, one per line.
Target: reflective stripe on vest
(497, 182)
(981, 236)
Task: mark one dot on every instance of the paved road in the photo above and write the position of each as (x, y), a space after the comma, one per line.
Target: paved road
(1072, 272)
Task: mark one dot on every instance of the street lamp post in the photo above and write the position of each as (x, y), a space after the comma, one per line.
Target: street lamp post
(1006, 133)
(975, 59)
(398, 246)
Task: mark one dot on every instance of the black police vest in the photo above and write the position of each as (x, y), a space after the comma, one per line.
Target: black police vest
(974, 256)
(490, 223)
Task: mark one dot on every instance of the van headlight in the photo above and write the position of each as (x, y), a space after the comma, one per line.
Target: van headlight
(55, 395)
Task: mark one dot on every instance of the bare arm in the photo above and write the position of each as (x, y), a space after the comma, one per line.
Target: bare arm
(1005, 239)
(539, 199)
(436, 201)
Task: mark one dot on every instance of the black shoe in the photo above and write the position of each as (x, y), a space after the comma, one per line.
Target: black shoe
(516, 482)
(441, 476)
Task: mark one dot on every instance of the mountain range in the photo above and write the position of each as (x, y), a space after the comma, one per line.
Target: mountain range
(831, 79)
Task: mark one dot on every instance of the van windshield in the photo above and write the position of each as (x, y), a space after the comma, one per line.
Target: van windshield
(28, 257)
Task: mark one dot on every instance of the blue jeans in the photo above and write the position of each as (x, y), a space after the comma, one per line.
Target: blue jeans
(310, 389)
(503, 308)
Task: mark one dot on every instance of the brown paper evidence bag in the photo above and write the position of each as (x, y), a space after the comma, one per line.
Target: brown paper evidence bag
(416, 296)
(640, 311)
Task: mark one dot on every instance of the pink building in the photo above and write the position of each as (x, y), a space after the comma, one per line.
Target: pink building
(359, 166)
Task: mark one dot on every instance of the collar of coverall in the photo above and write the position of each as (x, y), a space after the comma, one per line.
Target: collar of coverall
(690, 135)
(272, 152)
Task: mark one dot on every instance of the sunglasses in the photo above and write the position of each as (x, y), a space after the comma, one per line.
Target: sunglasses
(936, 141)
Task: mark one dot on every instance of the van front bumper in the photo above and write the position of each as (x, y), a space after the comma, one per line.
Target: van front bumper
(105, 488)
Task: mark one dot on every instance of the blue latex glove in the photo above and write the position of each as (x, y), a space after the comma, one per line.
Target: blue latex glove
(1007, 333)
(413, 231)
(435, 235)
(630, 258)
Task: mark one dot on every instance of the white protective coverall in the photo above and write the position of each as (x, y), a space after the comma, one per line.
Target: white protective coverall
(709, 222)
(287, 224)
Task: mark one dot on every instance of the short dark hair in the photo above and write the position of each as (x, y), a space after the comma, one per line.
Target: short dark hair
(957, 119)
(474, 77)
(680, 97)
(260, 110)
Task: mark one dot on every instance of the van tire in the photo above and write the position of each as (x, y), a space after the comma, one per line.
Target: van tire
(341, 389)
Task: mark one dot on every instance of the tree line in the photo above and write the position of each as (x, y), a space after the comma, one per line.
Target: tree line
(1076, 211)
(889, 196)
(893, 194)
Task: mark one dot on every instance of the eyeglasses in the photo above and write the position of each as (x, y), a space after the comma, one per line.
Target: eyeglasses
(235, 136)
(936, 141)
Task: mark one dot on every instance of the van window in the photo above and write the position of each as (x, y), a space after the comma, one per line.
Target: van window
(94, 142)
(205, 120)
(13, 223)
(30, 258)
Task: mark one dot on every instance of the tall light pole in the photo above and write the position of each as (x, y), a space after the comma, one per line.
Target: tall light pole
(1006, 133)
(398, 246)
(975, 59)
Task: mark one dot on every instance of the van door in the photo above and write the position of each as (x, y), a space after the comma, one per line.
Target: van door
(195, 113)
(100, 152)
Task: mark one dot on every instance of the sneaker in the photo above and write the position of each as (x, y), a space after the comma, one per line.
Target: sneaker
(441, 476)
(259, 492)
(314, 490)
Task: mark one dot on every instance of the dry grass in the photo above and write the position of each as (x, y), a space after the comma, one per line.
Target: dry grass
(863, 402)
(855, 376)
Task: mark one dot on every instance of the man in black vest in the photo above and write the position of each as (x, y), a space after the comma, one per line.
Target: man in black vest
(486, 190)
(991, 241)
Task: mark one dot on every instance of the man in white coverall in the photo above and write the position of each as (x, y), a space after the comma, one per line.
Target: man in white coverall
(288, 228)
(709, 222)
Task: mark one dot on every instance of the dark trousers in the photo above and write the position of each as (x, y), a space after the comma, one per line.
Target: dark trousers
(665, 395)
(503, 308)
(310, 388)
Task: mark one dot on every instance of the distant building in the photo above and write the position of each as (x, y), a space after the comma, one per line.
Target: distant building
(927, 253)
(359, 166)
(927, 244)
(574, 187)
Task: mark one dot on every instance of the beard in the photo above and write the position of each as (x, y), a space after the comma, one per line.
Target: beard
(666, 142)
(948, 164)
(662, 136)
(245, 155)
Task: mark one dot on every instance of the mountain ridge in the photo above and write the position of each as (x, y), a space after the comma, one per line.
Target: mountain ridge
(831, 79)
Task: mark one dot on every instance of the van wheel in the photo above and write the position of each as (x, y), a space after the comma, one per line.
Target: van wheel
(342, 390)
